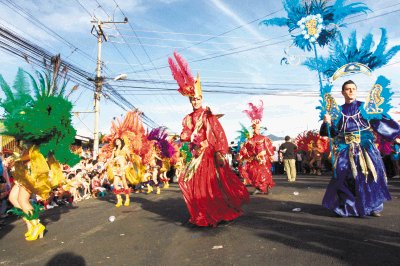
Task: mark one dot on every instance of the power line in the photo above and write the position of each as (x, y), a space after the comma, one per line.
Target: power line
(24, 13)
(377, 16)
(84, 8)
(261, 46)
(146, 53)
(225, 54)
(20, 47)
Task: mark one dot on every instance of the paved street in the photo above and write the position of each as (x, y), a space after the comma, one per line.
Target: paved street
(152, 232)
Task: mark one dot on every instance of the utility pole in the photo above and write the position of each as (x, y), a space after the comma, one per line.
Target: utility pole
(98, 32)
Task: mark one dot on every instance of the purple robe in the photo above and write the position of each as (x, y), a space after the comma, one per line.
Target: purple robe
(360, 186)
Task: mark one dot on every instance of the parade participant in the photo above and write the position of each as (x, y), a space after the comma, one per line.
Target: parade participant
(212, 191)
(161, 152)
(360, 186)
(127, 150)
(119, 165)
(312, 146)
(315, 158)
(42, 127)
(241, 167)
(287, 154)
(258, 153)
(152, 180)
(163, 172)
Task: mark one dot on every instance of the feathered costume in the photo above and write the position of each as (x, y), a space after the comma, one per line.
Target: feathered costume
(43, 122)
(313, 145)
(161, 154)
(128, 163)
(257, 152)
(361, 184)
(212, 191)
(244, 135)
(364, 55)
(316, 21)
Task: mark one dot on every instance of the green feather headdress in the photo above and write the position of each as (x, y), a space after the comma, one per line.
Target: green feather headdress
(44, 118)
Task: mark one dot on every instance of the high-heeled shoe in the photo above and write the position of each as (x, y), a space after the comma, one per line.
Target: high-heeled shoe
(158, 191)
(37, 232)
(29, 232)
(149, 189)
(127, 200)
(30, 227)
(119, 201)
(166, 185)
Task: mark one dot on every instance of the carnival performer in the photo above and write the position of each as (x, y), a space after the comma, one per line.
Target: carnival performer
(212, 191)
(153, 166)
(314, 146)
(42, 127)
(162, 152)
(360, 186)
(163, 172)
(258, 153)
(127, 148)
(315, 158)
(241, 139)
(119, 165)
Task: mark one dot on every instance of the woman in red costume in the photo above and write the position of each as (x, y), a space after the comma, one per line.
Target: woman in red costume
(258, 153)
(212, 191)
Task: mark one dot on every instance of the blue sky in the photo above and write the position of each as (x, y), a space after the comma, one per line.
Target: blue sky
(167, 25)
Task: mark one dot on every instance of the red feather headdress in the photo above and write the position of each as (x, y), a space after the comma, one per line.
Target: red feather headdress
(255, 113)
(305, 140)
(188, 86)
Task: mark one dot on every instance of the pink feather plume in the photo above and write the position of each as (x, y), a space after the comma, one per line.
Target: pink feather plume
(182, 74)
(255, 112)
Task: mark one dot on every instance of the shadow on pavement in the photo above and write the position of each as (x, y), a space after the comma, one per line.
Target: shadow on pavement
(315, 230)
(55, 214)
(66, 258)
(7, 225)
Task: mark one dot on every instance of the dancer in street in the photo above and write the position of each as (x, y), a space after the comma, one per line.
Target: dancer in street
(360, 186)
(43, 129)
(212, 191)
(258, 153)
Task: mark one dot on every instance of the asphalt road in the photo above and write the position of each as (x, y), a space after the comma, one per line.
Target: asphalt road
(151, 231)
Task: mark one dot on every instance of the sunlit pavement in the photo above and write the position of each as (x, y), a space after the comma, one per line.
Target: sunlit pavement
(286, 227)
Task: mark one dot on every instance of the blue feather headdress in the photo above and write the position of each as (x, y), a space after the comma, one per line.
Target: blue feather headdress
(316, 21)
(341, 54)
(243, 137)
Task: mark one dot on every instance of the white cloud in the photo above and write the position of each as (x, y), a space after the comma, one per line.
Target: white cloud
(231, 14)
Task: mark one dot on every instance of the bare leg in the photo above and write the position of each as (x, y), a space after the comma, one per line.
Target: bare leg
(13, 197)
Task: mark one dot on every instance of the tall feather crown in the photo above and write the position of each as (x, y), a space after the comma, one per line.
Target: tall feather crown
(255, 113)
(188, 86)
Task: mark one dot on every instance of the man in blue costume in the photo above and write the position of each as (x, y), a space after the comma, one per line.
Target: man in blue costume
(360, 187)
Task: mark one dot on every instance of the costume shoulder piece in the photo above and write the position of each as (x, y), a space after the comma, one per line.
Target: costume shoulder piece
(378, 100)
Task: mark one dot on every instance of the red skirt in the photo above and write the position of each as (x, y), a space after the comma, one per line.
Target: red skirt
(259, 175)
(213, 194)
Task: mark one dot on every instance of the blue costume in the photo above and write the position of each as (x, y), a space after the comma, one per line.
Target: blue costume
(360, 186)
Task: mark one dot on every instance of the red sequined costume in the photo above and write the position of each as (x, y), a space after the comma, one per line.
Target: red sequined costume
(257, 152)
(212, 193)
